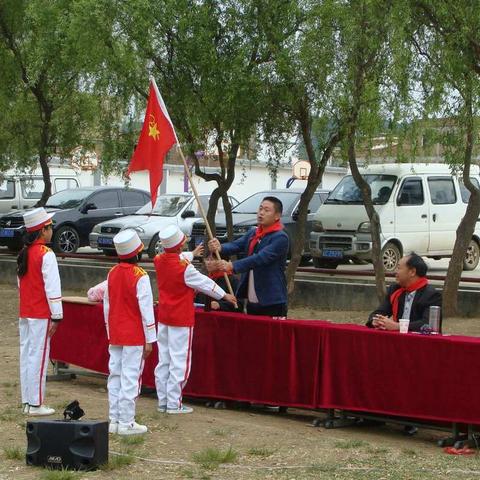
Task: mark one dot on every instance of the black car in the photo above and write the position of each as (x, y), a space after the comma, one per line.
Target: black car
(77, 211)
(245, 216)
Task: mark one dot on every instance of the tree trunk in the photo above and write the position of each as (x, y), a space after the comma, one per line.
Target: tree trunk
(212, 207)
(224, 182)
(371, 212)
(464, 236)
(467, 225)
(363, 67)
(227, 208)
(314, 179)
(43, 159)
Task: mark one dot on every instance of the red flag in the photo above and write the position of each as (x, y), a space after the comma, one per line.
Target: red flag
(156, 139)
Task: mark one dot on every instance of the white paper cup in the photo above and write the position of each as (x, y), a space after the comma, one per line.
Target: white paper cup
(404, 322)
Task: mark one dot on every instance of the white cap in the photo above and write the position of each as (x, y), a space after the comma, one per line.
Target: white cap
(171, 237)
(37, 219)
(127, 243)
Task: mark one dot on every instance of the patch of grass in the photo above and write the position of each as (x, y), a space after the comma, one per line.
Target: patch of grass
(12, 410)
(347, 444)
(132, 439)
(165, 427)
(117, 461)
(220, 432)
(188, 473)
(10, 413)
(210, 458)
(144, 419)
(261, 451)
(322, 468)
(377, 450)
(14, 453)
(409, 452)
(9, 416)
(63, 474)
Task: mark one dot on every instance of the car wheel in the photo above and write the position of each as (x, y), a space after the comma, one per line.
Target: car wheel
(155, 246)
(390, 256)
(305, 260)
(322, 263)
(66, 240)
(472, 256)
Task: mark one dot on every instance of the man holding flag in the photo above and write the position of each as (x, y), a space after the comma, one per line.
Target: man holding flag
(262, 269)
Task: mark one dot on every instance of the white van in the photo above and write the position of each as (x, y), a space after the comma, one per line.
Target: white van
(19, 191)
(419, 205)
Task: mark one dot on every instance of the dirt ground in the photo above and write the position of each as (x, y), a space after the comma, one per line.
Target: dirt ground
(225, 443)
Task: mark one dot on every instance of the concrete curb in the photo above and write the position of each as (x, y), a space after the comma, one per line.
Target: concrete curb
(320, 293)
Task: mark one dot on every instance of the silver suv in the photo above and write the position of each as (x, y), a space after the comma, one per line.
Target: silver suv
(180, 209)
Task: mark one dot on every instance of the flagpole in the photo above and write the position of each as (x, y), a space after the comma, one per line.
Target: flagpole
(190, 179)
(204, 216)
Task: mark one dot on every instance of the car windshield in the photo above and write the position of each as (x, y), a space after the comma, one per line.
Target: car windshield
(68, 198)
(165, 206)
(251, 204)
(347, 192)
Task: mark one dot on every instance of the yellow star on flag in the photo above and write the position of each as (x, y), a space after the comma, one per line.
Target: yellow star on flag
(152, 128)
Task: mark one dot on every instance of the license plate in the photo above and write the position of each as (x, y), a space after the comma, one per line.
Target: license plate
(332, 254)
(7, 232)
(105, 241)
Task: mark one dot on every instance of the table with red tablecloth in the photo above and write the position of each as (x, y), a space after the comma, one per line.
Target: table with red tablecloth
(305, 363)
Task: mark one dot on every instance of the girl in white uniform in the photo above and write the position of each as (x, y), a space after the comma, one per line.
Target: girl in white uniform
(40, 309)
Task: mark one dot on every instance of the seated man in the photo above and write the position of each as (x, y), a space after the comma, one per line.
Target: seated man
(411, 297)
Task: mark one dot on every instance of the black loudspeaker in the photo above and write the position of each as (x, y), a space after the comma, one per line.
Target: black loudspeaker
(79, 445)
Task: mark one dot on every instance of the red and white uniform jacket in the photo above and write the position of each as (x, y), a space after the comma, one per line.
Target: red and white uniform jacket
(128, 306)
(40, 288)
(177, 282)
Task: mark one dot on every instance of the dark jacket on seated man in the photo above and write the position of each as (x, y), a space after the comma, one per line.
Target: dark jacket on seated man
(411, 297)
(422, 301)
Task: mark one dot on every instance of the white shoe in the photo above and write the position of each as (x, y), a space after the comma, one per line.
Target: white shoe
(182, 409)
(131, 429)
(162, 408)
(41, 411)
(113, 427)
(26, 408)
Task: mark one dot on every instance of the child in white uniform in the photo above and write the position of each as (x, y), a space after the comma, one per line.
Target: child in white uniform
(40, 309)
(177, 281)
(128, 310)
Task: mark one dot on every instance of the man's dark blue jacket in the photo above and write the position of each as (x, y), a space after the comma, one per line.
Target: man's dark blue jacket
(268, 262)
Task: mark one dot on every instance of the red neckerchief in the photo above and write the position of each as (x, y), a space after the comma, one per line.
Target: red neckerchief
(260, 232)
(394, 297)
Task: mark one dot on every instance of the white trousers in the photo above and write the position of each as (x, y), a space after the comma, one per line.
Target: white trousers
(34, 354)
(124, 381)
(174, 362)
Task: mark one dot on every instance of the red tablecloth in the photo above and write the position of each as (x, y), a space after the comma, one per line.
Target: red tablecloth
(311, 364)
